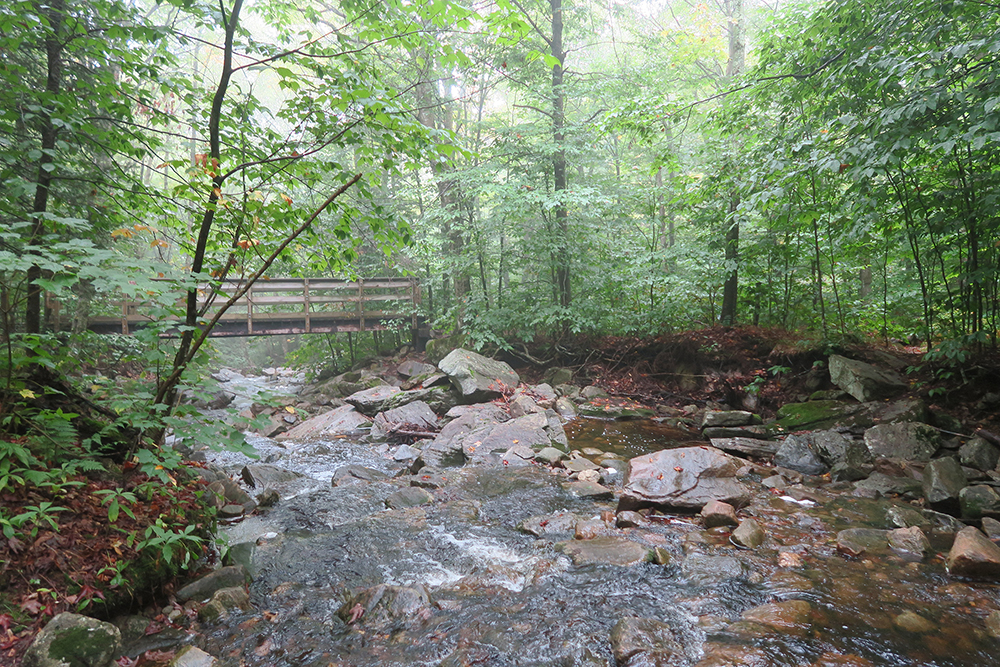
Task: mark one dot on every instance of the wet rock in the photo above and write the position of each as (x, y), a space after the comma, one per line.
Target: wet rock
(605, 551)
(789, 559)
(411, 496)
(262, 476)
(744, 446)
(547, 524)
(428, 478)
(564, 406)
(579, 464)
(589, 476)
(797, 453)
(909, 541)
(384, 604)
(528, 431)
(879, 484)
(715, 418)
(717, 513)
(943, 481)
(268, 498)
(588, 529)
(414, 416)
(910, 621)
(229, 576)
(907, 440)
(630, 520)
(224, 601)
(550, 455)
(864, 381)
(993, 624)
(749, 534)
(231, 511)
(192, 656)
(979, 454)
(644, 641)
(743, 432)
(790, 616)
(591, 490)
(352, 474)
(242, 554)
(857, 541)
(991, 527)
(941, 522)
(704, 570)
(75, 640)
(979, 501)
(370, 402)
(775, 482)
(591, 392)
(438, 399)
(615, 408)
(518, 455)
(344, 420)
(829, 659)
(731, 656)
(974, 555)
(685, 478)
(477, 378)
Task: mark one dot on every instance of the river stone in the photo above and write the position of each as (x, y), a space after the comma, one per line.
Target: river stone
(797, 453)
(909, 540)
(72, 640)
(979, 454)
(588, 529)
(370, 402)
(192, 656)
(558, 376)
(477, 378)
(580, 464)
(384, 604)
(437, 348)
(225, 577)
(880, 484)
(704, 570)
(754, 432)
(353, 473)
(565, 408)
(867, 541)
(231, 511)
(685, 478)
(605, 551)
(410, 368)
(910, 621)
(864, 381)
(763, 449)
(410, 496)
(591, 392)
(262, 475)
(823, 414)
(714, 418)
(905, 440)
(992, 528)
(789, 616)
(943, 481)
(591, 490)
(717, 513)
(438, 399)
(974, 555)
(223, 601)
(993, 624)
(902, 516)
(547, 524)
(415, 415)
(528, 431)
(979, 501)
(630, 519)
(522, 405)
(644, 641)
(550, 455)
(344, 420)
(749, 534)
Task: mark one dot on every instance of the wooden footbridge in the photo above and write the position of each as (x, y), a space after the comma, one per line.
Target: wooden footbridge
(292, 306)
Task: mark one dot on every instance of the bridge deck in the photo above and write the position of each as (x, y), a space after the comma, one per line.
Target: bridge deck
(287, 306)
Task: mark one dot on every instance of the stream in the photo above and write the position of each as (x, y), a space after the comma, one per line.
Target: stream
(486, 593)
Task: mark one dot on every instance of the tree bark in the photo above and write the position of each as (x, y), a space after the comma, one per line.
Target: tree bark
(734, 68)
(562, 259)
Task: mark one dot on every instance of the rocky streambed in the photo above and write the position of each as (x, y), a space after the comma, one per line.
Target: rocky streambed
(480, 522)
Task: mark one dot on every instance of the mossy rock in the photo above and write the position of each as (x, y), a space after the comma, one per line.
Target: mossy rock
(820, 415)
(438, 348)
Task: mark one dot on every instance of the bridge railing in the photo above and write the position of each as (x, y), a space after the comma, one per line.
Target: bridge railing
(293, 305)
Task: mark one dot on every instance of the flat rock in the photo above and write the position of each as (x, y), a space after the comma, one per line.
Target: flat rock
(439, 399)
(477, 378)
(864, 381)
(714, 418)
(755, 432)
(192, 656)
(353, 474)
(344, 420)
(550, 455)
(644, 641)
(763, 449)
(814, 415)
(260, 475)
(605, 551)
(74, 640)
(413, 416)
(592, 490)
(867, 541)
(909, 541)
(547, 524)
(370, 402)
(717, 513)
(974, 555)
(905, 440)
(411, 496)
(410, 368)
(685, 478)
(788, 616)
(705, 570)
(224, 577)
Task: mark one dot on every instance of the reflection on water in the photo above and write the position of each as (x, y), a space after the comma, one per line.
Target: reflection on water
(627, 438)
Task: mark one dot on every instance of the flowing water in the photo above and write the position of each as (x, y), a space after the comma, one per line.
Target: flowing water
(497, 596)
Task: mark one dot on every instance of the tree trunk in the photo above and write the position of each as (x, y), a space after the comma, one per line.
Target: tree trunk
(562, 259)
(734, 68)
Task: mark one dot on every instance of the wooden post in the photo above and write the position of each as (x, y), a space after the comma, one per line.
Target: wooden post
(124, 316)
(361, 304)
(249, 298)
(305, 299)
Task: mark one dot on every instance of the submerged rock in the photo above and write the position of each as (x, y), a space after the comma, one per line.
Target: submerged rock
(859, 541)
(223, 601)
(384, 604)
(685, 478)
(547, 524)
(792, 616)
(644, 641)
(605, 551)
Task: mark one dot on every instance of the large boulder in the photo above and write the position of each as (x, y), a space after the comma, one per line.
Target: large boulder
(531, 430)
(477, 378)
(684, 479)
(72, 639)
(344, 420)
(813, 415)
(979, 501)
(763, 449)
(979, 454)
(416, 416)
(907, 440)
(974, 555)
(943, 481)
(798, 453)
(864, 381)
(439, 399)
(370, 402)
(263, 476)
